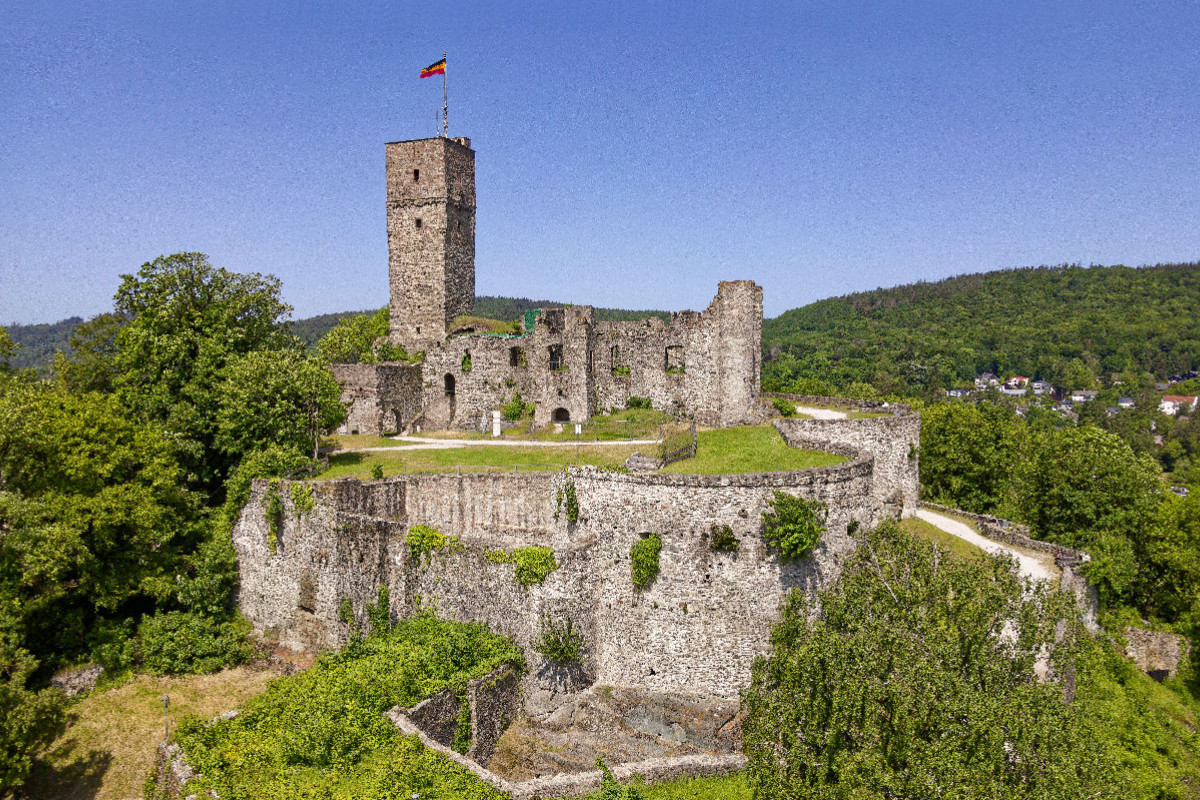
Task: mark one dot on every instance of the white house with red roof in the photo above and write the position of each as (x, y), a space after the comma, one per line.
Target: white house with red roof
(1173, 404)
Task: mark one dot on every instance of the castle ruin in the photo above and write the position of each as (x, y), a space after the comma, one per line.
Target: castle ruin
(704, 364)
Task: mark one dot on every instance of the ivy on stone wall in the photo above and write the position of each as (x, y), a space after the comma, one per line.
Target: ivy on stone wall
(793, 525)
(302, 499)
(532, 564)
(566, 495)
(424, 540)
(273, 514)
(644, 558)
(466, 361)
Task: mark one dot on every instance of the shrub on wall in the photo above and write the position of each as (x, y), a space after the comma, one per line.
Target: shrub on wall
(721, 538)
(558, 641)
(377, 472)
(634, 401)
(462, 734)
(566, 496)
(516, 408)
(644, 557)
(533, 564)
(466, 362)
(423, 540)
(794, 524)
(784, 407)
(621, 371)
(302, 498)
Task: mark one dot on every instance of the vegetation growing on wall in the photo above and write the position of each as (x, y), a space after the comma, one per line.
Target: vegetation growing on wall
(720, 537)
(643, 558)
(423, 541)
(793, 524)
(566, 496)
(273, 512)
(785, 407)
(517, 408)
(322, 732)
(302, 498)
(462, 733)
(532, 564)
(558, 641)
(633, 401)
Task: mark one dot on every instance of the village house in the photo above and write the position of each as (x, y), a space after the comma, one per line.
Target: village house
(1173, 404)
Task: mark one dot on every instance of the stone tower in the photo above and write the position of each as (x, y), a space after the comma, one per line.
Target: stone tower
(431, 237)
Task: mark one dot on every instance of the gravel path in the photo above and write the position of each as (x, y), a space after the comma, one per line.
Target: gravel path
(1038, 567)
(425, 443)
(821, 413)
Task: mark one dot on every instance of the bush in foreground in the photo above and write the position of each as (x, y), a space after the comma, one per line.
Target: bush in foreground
(322, 733)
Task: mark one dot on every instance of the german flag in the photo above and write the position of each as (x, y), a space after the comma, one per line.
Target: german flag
(436, 68)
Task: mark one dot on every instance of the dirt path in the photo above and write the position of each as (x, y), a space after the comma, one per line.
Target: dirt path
(425, 443)
(1039, 566)
(821, 413)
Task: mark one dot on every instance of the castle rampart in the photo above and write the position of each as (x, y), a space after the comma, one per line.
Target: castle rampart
(695, 629)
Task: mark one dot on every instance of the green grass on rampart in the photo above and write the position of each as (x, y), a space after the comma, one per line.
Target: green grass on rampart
(947, 541)
(757, 448)
(474, 459)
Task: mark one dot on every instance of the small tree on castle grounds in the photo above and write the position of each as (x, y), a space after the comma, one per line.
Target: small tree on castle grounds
(913, 676)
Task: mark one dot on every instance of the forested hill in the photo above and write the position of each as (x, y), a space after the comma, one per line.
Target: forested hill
(1068, 325)
(38, 343)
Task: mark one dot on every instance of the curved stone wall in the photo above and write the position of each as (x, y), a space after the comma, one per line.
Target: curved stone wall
(695, 629)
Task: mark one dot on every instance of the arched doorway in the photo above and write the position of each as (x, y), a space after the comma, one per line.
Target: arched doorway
(449, 385)
(562, 415)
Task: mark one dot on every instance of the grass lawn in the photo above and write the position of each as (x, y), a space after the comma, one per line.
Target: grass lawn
(474, 459)
(923, 530)
(356, 442)
(724, 787)
(108, 748)
(635, 423)
(757, 448)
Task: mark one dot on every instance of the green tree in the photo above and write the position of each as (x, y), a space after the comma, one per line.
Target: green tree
(95, 517)
(8, 349)
(352, 340)
(28, 718)
(92, 365)
(187, 320)
(968, 452)
(278, 396)
(1085, 488)
(913, 675)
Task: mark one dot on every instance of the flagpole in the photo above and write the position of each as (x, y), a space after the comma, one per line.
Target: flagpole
(445, 100)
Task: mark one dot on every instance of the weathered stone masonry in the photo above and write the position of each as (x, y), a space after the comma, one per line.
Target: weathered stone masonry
(704, 364)
(696, 629)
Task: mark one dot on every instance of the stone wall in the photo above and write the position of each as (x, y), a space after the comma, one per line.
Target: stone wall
(380, 398)
(695, 629)
(893, 441)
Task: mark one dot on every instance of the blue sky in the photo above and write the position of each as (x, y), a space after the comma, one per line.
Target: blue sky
(627, 155)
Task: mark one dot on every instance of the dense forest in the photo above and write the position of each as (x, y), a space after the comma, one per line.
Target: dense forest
(1069, 325)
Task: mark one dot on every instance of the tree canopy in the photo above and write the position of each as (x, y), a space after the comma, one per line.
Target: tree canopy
(187, 320)
(916, 675)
